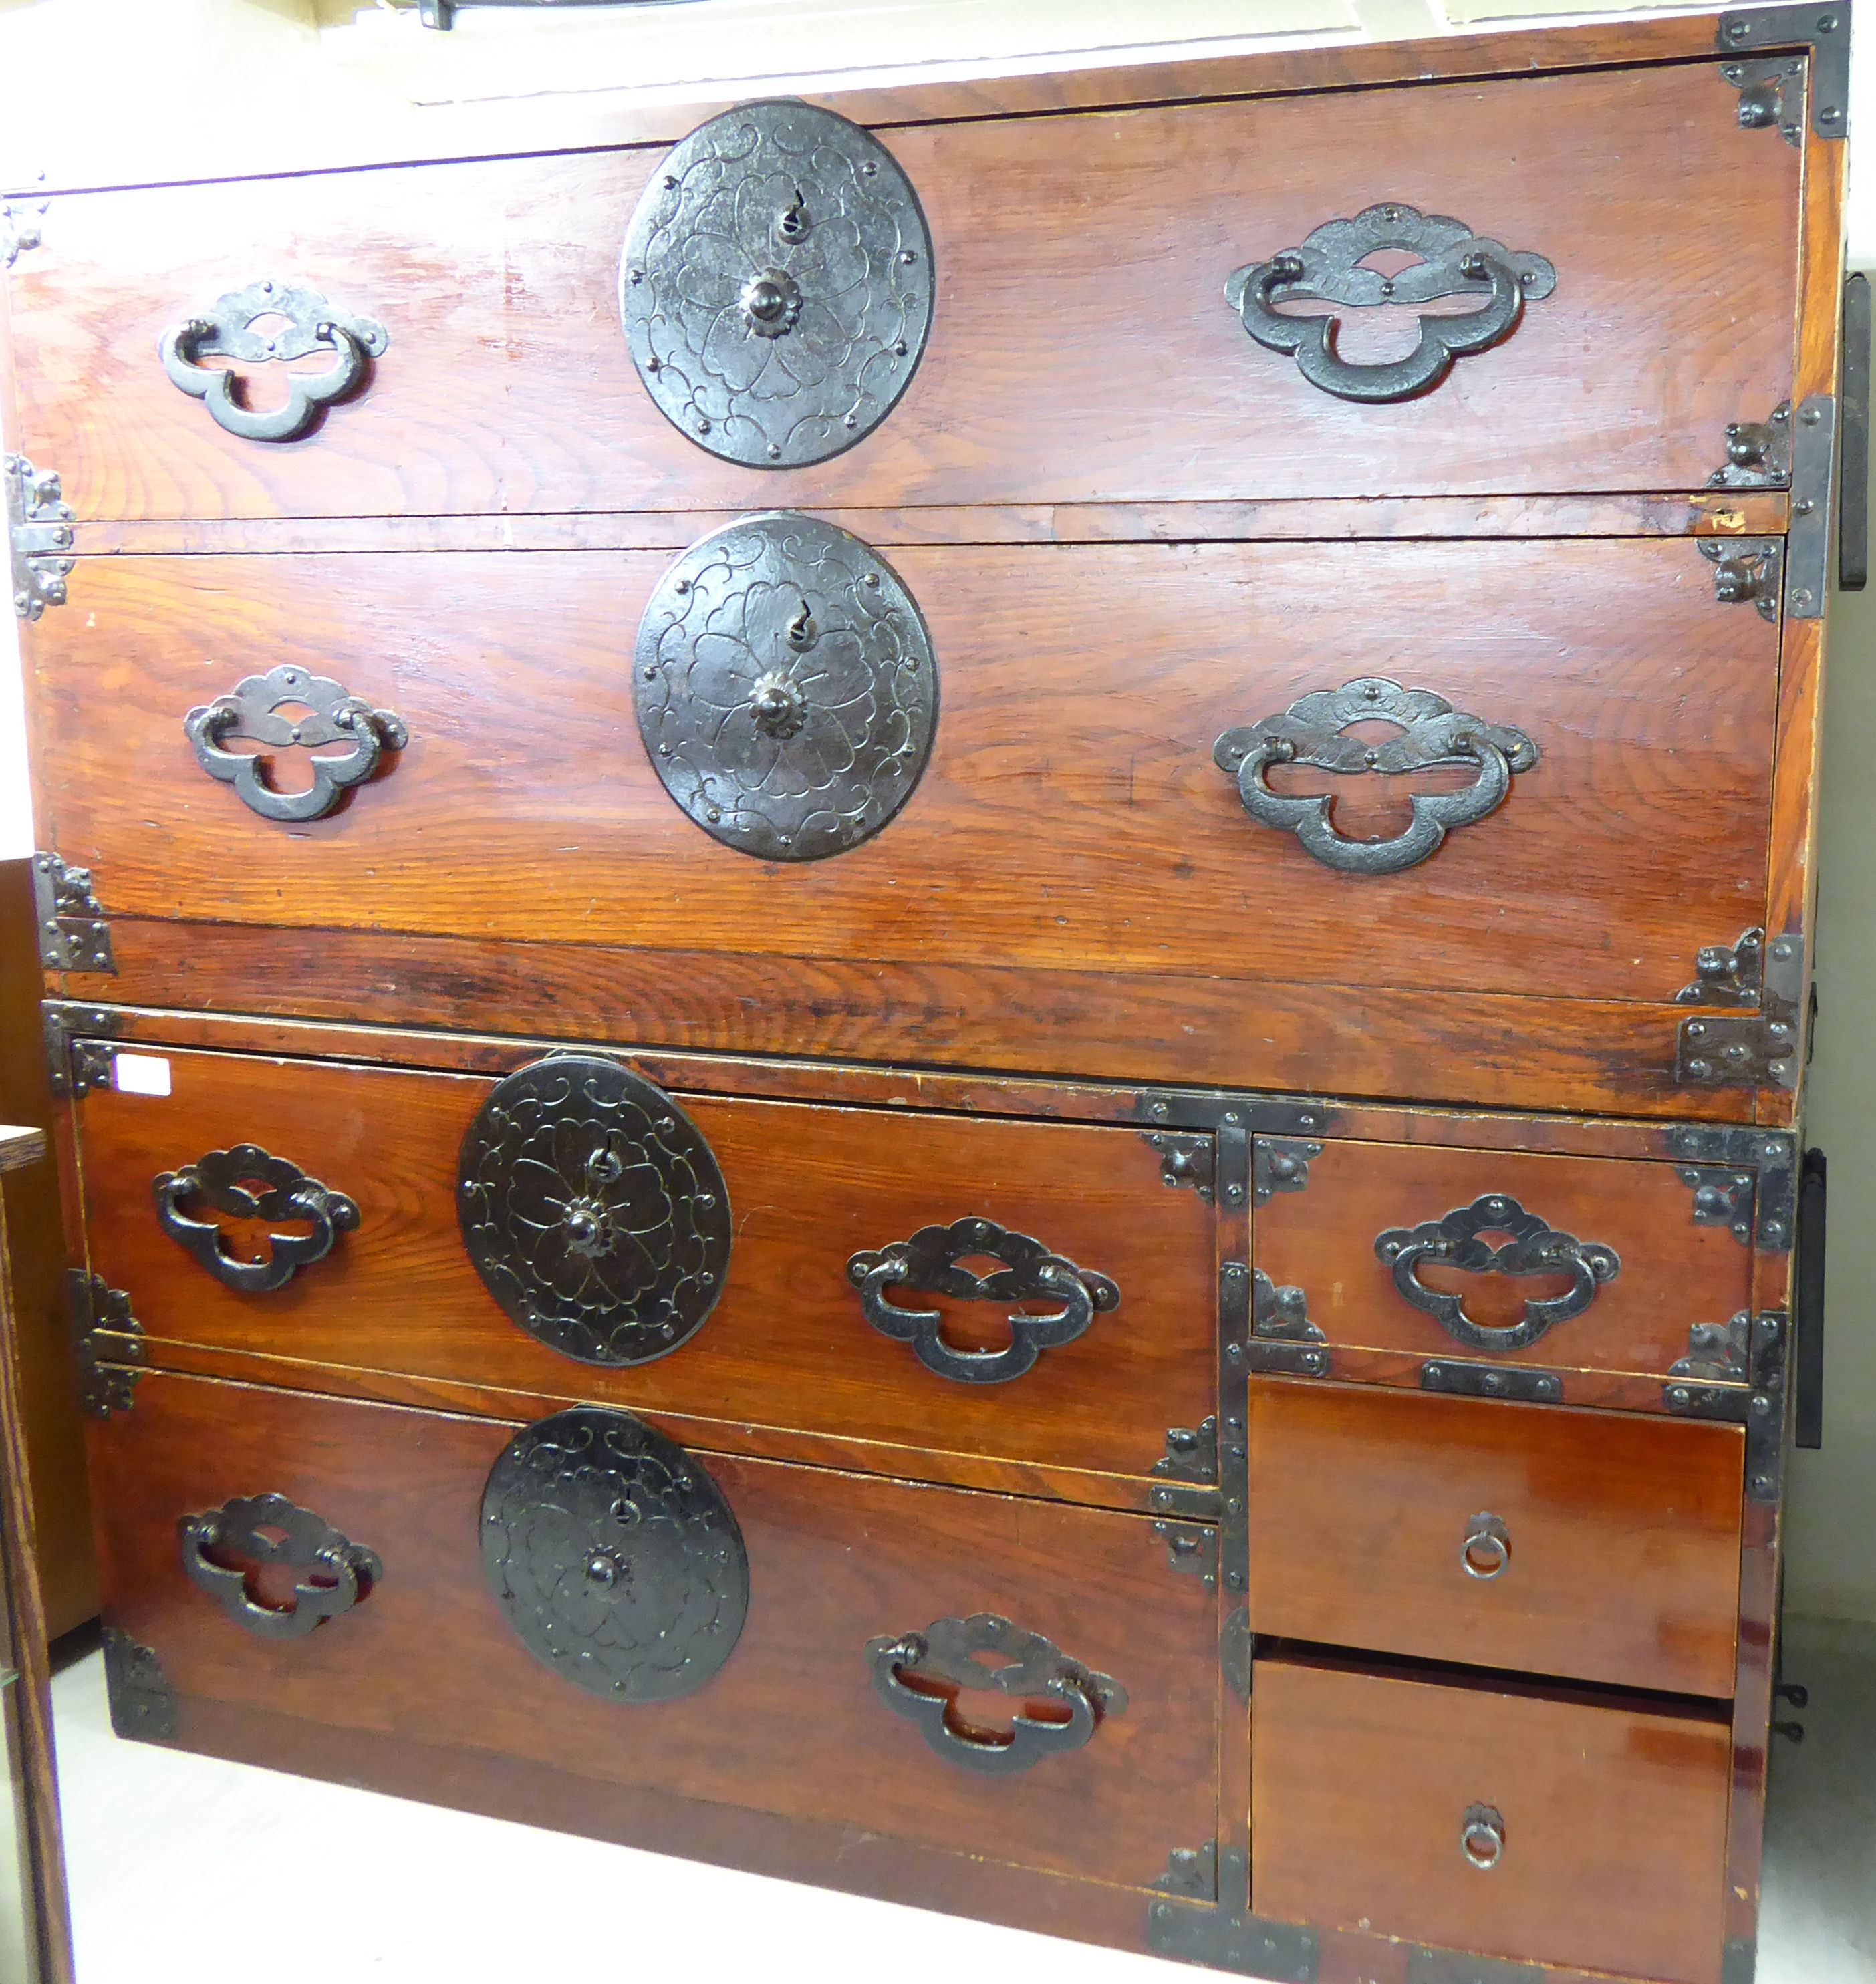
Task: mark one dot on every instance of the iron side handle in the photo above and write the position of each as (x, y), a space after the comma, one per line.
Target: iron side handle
(1808, 1303)
(1853, 527)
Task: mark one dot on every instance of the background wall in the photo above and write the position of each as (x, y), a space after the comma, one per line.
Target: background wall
(108, 89)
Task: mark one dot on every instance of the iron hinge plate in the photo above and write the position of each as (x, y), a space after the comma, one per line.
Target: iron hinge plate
(1824, 30)
(1492, 1381)
(1808, 536)
(73, 935)
(38, 536)
(74, 1065)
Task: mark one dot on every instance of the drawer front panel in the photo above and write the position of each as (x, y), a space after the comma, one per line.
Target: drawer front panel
(1600, 1546)
(1609, 1822)
(788, 1344)
(506, 383)
(1634, 1275)
(1071, 815)
(791, 1722)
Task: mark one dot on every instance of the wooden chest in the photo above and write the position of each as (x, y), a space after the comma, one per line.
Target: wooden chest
(931, 974)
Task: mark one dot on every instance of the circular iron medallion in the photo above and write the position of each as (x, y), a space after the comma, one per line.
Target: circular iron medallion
(594, 1211)
(614, 1555)
(777, 285)
(786, 687)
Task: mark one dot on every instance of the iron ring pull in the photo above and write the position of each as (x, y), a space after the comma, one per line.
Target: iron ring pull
(1481, 1836)
(223, 1177)
(1533, 1248)
(270, 1529)
(1486, 1549)
(1036, 1669)
(929, 1262)
(335, 716)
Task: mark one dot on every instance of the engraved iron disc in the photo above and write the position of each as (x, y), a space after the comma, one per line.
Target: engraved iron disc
(614, 1555)
(787, 690)
(777, 283)
(594, 1211)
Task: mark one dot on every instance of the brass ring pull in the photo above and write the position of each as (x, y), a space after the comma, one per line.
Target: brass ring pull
(1481, 1836)
(1486, 1549)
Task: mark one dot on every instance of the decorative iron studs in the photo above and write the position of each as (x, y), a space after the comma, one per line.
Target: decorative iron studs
(311, 325)
(787, 691)
(777, 285)
(332, 1573)
(1432, 734)
(594, 1210)
(615, 1555)
(928, 1262)
(335, 716)
(1328, 268)
(225, 1180)
(916, 1674)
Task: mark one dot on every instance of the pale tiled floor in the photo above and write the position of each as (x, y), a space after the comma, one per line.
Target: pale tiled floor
(185, 1870)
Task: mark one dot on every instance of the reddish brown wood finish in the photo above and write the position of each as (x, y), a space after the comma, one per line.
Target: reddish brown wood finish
(1614, 1820)
(791, 1724)
(1673, 315)
(1071, 817)
(787, 1346)
(1623, 1534)
(1673, 1274)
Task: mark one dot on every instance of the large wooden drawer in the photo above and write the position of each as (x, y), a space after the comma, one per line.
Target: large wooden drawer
(1574, 1265)
(1071, 824)
(786, 1346)
(794, 1721)
(1602, 1547)
(1081, 349)
(1542, 1829)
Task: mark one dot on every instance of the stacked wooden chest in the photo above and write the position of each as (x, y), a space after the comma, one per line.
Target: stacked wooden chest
(949, 1036)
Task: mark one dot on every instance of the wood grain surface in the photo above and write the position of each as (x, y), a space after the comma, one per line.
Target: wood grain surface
(1082, 350)
(1071, 817)
(788, 1345)
(1672, 1273)
(1623, 1534)
(791, 1724)
(1614, 1820)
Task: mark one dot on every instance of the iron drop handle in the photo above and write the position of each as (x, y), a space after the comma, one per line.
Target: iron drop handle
(223, 1177)
(1534, 1248)
(336, 1572)
(929, 1262)
(334, 716)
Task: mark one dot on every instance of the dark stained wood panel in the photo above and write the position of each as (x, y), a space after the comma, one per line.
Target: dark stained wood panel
(1082, 350)
(787, 1345)
(1071, 819)
(1621, 1534)
(1614, 1820)
(791, 1725)
(1672, 1273)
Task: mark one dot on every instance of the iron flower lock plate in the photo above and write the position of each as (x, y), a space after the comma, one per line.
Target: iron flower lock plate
(1326, 266)
(787, 691)
(776, 286)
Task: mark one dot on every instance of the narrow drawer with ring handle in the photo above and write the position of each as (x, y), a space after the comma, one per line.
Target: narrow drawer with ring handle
(950, 1298)
(1637, 1271)
(1525, 1825)
(1597, 1546)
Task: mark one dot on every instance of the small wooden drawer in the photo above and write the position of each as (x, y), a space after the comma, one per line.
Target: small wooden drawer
(718, 1632)
(610, 1265)
(1530, 1827)
(1588, 1264)
(1598, 1546)
(1082, 348)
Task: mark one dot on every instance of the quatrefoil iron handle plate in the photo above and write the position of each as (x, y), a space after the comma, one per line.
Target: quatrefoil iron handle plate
(1431, 735)
(1534, 1248)
(224, 1178)
(929, 1263)
(311, 325)
(332, 1573)
(249, 711)
(945, 1657)
(1326, 268)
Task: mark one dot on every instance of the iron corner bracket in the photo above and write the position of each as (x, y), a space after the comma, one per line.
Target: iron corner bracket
(73, 935)
(19, 230)
(1709, 1150)
(108, 1375)
(1739, 1961)
(1823, 30)
(1453, 1966)
(1186, 1482)
(75, 1064)
(1760, 1410)
(1216, 1109)
(1228, 1939)
(39, 537)
(143, 1702)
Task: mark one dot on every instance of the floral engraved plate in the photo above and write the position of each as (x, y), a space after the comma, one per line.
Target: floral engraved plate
(1328, 267)
(594, 1211)
(615, 1555)
(787, 690)
(777, 285)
